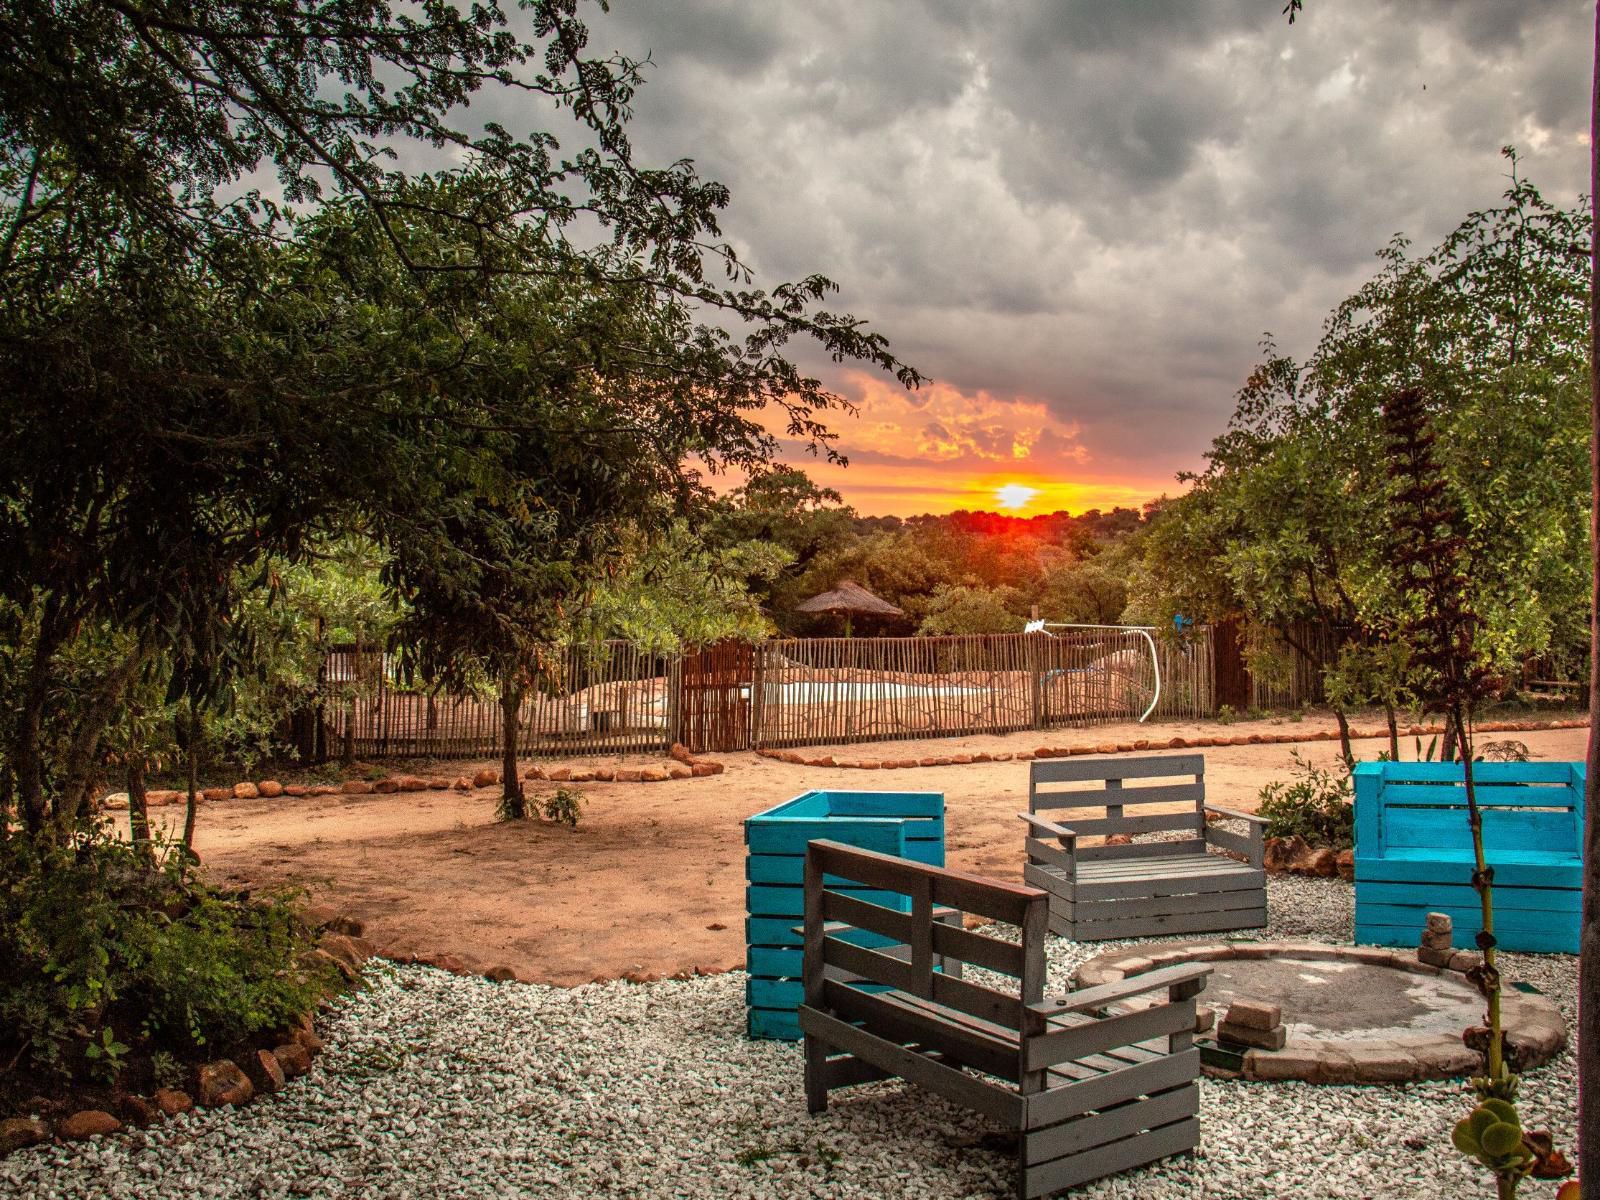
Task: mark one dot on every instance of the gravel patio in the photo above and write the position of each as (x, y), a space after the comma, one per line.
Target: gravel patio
(436, 1085)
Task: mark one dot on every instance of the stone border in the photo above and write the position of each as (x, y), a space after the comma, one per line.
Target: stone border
(1143, 744)
(1534, 1028)
(684, 765)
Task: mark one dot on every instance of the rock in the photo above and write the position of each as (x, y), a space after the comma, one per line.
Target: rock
(627, 774)
(1440, 923)
(1263, 1039)
(91, 1122)
(961, 759)
(1435, 958)
(218, 794)
(116, 802)
(305, 1035)
(319, 916)
(222, 1082)
(1463, 961)
(245, 791)
(1024, 756)
(535, 775)
(653, 774)
(18, 1132)
(682, 754)
(294, 1060)
(1346, 864)
(827, 760)
(413, 783)
(558, 774)
(678, 771)
(159, 799)
(263, 1069)
(581, 774)
(1119, 839)
(171, 1101)
(346, 924)
(485, 778)
(353, 952)
(437, 784)
(386, 787)
(1281, 853)
(1204, 1018)
(136, 1110)
(604, 774)
(356, 787)
(447, 962)
(1323, 863)
(1253, 1014)
(500, 975)
(271, 789)
(1438, 939)
(296, 789)
(325, 789)
(704, 770)
(462, 784)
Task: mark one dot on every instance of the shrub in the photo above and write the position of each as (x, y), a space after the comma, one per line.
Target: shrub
(565, 805)
(111, 953)
(1316, 805)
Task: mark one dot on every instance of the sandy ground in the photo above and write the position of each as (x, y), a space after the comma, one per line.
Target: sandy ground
(652, 879)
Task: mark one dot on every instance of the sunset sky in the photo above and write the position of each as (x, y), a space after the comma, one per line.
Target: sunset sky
(1079, 217)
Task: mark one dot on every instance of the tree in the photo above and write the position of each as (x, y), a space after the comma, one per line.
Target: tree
(232, 382)
(965, 609)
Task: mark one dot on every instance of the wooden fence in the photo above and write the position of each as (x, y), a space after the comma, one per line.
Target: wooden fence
(790, 692)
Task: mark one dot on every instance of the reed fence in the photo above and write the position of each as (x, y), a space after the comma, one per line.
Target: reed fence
(789, 692)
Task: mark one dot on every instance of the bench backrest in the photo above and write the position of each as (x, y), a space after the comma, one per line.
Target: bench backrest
(1527, 806)
(1152, 794)
(832, 868)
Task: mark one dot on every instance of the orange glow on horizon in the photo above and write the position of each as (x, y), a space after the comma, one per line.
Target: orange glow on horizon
(1014, 495)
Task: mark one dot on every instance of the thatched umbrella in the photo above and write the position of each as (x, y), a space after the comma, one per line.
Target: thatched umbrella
(847, 600)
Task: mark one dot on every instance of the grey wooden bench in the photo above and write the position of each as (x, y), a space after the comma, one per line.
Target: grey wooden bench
(1146, 888)
(1089, 1086)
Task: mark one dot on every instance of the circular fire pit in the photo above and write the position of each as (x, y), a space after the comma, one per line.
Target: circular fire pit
(1352, 1014)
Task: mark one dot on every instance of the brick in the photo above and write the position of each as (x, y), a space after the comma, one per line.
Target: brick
(1253, 1014)
(1264, 1039)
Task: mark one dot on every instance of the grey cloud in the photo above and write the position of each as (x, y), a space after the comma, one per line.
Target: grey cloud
(1097, 204)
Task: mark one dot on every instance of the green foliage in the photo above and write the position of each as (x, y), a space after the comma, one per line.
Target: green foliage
(961, 609)
(1492, 1134)
(563, 806)
(104, 952)
(1316, 804)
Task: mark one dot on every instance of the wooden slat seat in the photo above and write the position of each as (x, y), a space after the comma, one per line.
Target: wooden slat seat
(1094, 1082)
(1146, 888)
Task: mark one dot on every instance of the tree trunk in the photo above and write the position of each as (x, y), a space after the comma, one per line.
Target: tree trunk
(512, 799)
(138, 805)
(1394, 732)
(193, 802)
(347, 749)
(1589, 935)
(1345, 750)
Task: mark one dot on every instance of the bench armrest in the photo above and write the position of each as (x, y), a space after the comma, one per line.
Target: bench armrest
(1181, 981)
(1235, 815)
(1061, 833)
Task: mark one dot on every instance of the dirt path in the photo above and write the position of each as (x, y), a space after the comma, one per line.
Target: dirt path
(652, 880)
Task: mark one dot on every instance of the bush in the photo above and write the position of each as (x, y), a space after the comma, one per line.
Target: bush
(112, 954)
(1316, 805)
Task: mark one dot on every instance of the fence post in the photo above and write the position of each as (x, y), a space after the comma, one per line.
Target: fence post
(674, 730)
(1036, 678)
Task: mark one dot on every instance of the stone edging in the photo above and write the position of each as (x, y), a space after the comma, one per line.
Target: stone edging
(1534, 1028)
(1176, 743)
(684, 766)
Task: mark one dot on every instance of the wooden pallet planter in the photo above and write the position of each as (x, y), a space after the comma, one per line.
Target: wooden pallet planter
(1144, 889)
(1414, 851)
(1090, 1083)
(905, 824)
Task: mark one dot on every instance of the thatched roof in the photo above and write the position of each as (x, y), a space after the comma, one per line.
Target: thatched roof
(849, 597)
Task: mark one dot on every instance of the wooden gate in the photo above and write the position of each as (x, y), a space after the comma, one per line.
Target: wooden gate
(717, 682)
(1234, 685)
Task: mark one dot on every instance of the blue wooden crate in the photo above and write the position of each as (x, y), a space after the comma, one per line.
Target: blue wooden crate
(1414, 851)
(907, 824)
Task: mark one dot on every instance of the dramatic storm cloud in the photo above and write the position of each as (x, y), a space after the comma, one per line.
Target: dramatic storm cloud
(1080, 216)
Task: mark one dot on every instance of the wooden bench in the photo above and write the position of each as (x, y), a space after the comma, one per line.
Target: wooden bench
(1095, 1082)
(1145, 888)
(1414, 851)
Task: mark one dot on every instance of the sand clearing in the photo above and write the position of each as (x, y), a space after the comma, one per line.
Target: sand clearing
(652, 880)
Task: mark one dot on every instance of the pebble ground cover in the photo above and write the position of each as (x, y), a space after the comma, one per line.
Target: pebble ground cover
(435, 1085)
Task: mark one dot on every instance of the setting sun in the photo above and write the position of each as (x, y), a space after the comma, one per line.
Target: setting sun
(1014, 495)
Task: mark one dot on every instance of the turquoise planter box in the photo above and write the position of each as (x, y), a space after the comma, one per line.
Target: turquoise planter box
(907, 824)
(1414, 852)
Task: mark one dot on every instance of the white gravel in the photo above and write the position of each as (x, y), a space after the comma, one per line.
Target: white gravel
(438, 1086)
